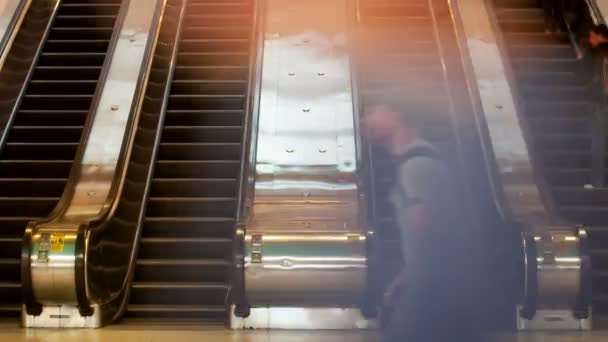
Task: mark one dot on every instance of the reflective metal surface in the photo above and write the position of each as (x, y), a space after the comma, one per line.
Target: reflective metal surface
(559, 266)
(11, 12)
(558, 273)
(69, 318)
(302, 318)
(525, 198)
(93, 180)
(305, 236)
(602, 6)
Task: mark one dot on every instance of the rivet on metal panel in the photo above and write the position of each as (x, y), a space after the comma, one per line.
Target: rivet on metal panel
(322, 150)
(91, 193)
(320, 74)
(291, 73)
(306, 194)
(289, 150)
(306, 110)
(114, 107)
(348, 163)
(306, 41)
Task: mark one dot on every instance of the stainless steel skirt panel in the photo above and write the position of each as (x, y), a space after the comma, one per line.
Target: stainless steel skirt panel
(558, 258)
(309, 269)
(305, 240)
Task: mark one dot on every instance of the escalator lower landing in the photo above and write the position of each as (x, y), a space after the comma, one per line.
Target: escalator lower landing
(184, 264)
(37, 156)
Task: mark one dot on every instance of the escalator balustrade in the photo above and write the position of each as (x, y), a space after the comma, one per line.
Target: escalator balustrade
(45, 130)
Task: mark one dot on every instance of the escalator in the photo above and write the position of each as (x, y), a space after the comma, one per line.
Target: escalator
(44, 132)
(554, 86)
(407, 54)
(185, 252)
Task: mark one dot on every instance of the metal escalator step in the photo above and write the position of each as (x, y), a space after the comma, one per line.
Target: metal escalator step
(13, 226)
(23, 187)
(10, 248)
(210, 87)
(208, 101)
(577, 125)
(211, 73)
(216, 32)
(193, 187)
(55, 87)
(72, 72)
(211, 313)
(185, 248)
(202, 134)
(27, 206)
(537, 78)
(229, 8)
(546, 52)
(217, 19)
(562, 141)
(197, 168)
(199, 151)
(531, 64)
(41, 134)
(591, 215)
(566, 159)
(69, 59)
(40, 151)
(520, 14)
(558, 109)
(537, 39)
(190, 207)
(215, 58)
(174, 294)
(569, 177)
(183, 271)
(183, 227)
(34, 168)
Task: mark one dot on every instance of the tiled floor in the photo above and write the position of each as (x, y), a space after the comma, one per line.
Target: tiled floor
(136, 332)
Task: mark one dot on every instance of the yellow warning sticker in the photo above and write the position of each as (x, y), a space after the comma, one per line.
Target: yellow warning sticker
(57, 243)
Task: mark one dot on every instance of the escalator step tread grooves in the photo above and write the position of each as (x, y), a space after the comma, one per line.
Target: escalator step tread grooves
(553, 85)
(398, 52)
(41, 145)
(184, 260)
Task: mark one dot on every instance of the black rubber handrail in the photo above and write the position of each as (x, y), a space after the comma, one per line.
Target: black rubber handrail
(9, 36)
(529, 296)
(114, 237)
(20, 62)
(236, 295)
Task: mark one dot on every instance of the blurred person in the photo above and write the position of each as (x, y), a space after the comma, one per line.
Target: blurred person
(429, 298)
(598, 45)
(598, 37)
(553, 11)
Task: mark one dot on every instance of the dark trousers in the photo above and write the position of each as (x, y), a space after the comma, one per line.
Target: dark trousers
(431, 314)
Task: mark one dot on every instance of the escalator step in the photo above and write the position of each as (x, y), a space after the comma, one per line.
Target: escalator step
(185, 258)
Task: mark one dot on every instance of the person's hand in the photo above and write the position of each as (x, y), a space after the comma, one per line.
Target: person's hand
(393, 290)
